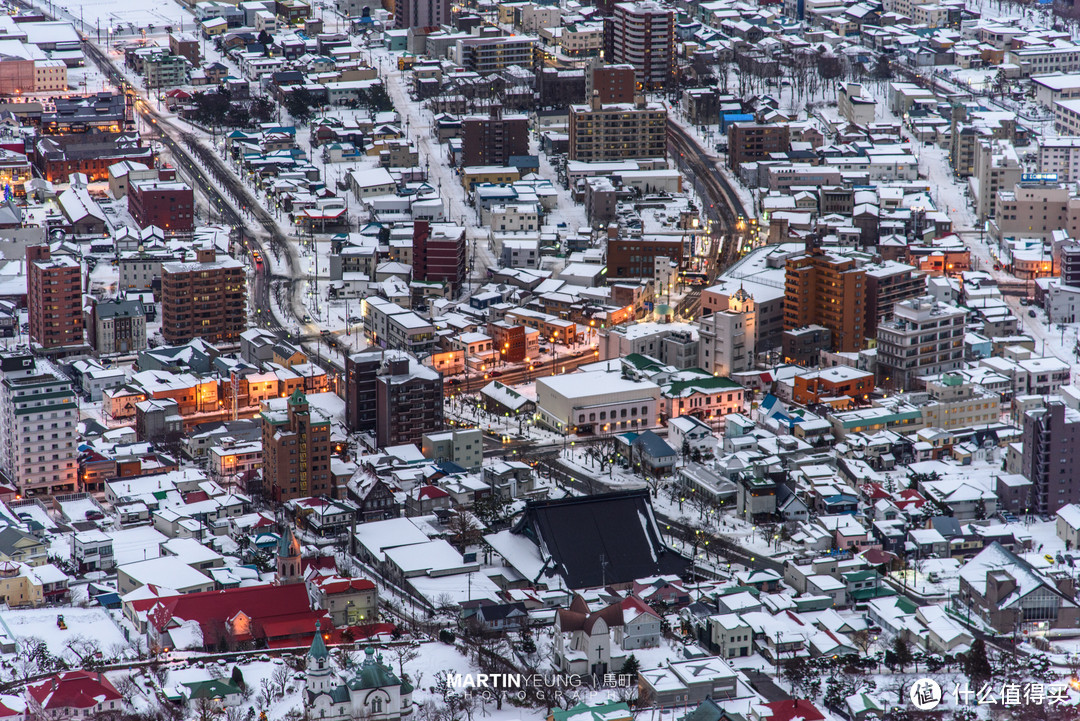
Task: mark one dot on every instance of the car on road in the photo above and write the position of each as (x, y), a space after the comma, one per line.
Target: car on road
(496, 374)
(1032, 314)
(307, 318)
(1025, 301)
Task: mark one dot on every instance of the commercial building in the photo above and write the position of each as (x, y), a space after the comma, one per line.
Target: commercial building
(34, 396)
(622, 131)
(1034, 210)
(117, 326)
(421, 13)
(439, 254)
(1060, 157)
(755, 141)
(827, 290)
(642, 35)
(295, 448)
(591, 400)
(393, 395)
(493, 139)
(924, 337)
(169, 205)
(834, 386)
(54, 299)
(206, 299)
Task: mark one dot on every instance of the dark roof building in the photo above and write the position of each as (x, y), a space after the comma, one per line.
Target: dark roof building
(610, 538)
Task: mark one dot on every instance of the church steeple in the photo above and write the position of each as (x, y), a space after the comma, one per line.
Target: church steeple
(288, 561)
(320, 677)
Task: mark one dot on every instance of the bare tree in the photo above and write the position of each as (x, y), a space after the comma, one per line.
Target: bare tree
(280, 679)
(403, 654)
(266, 694)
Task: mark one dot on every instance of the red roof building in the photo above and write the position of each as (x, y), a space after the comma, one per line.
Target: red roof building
(75, 693)
(265, 616)
(792, 710)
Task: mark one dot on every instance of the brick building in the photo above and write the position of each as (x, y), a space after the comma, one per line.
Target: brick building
(827, 290)
(296, 448)
(54, 299)
(394, 395)
(754, 141)
(58, 156)
(439, 254)
(611, 83)
(493, 139)
(636, 257)
(170, 205)
(206, 299)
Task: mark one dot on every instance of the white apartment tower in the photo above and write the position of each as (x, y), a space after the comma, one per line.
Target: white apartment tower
(38, 414)
(727, 337)
(924, 337)
(642, 34)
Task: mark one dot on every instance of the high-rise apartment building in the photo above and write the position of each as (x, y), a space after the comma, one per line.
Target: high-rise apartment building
(924, 337)
(1051, 434)
(421, 13)
(296, 448)
(54, 299)
(206, 299)
(601, 132)
(887, 284)
(494, 138)
(439, 254)
(827, 290)
(394, 395)
(38, 415)
(642, 35)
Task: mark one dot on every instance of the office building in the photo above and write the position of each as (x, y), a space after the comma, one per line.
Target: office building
(1051, 434)
(295, 448)
(206, 299)
(439, 254)
(494, 138)
(642, 35)
(924, 337)
(393, 396)
(600, 133)
(54, 300)
(38, 415)
(827, 290)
